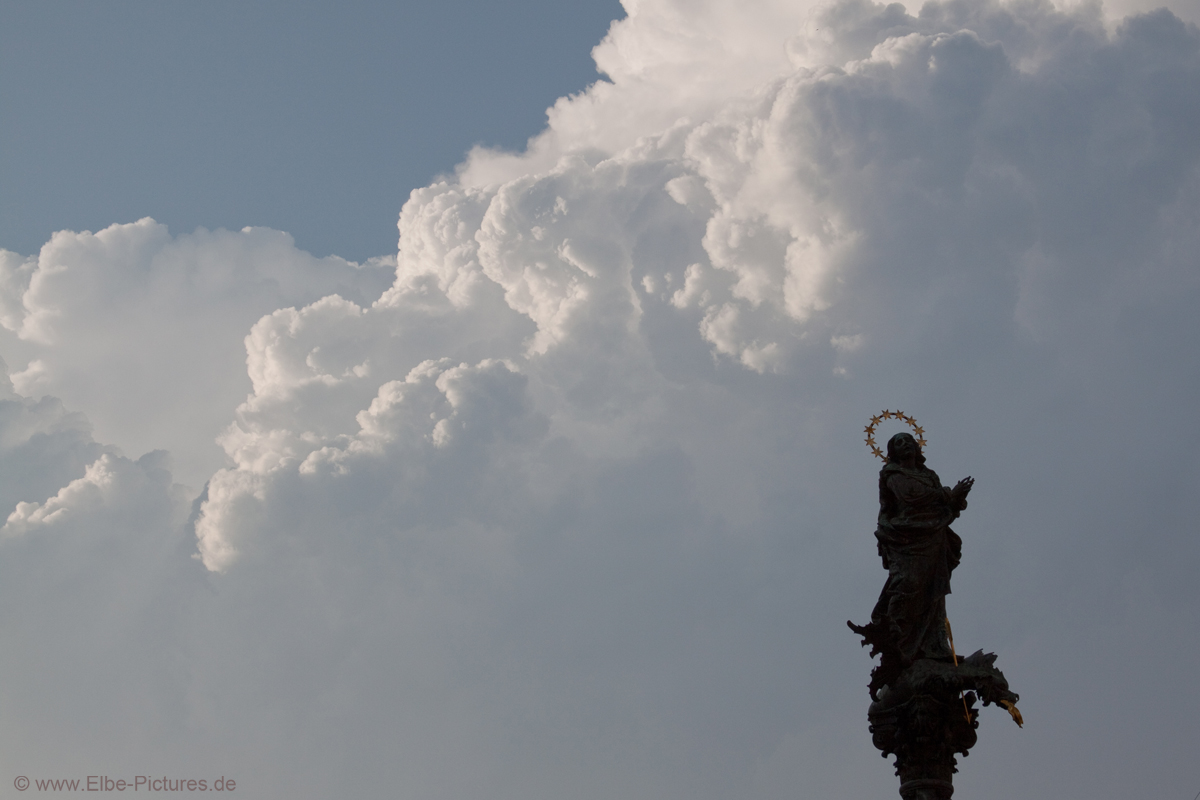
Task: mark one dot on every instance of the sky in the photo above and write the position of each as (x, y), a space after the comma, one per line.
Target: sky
(565, 494)
(316, 118)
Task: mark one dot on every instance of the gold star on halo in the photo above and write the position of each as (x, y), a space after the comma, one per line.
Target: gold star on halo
(887, 414)
(875, 421)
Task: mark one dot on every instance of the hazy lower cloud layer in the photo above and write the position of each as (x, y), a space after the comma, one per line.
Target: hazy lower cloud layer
(578, 505)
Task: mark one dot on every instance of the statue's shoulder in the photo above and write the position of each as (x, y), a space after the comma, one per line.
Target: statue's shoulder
(908, 479)
(890, 471)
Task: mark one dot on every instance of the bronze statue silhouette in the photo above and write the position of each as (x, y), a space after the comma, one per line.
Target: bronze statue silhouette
(923, 694)
(919, 551)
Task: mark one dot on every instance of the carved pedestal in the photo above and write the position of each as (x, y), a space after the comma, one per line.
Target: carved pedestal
(927, 715)
(924, 727)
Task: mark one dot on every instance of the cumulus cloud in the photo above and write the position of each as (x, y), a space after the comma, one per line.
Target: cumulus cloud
(578, 504)
(142, 331)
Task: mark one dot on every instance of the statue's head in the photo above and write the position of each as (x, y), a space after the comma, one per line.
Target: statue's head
(902, 447)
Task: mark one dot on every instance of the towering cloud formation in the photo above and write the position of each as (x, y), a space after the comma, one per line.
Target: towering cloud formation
(577, 506)
(144, 331)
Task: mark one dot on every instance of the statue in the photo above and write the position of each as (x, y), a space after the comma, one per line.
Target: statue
(922, 694)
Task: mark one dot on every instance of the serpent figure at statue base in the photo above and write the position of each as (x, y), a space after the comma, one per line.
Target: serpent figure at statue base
(923, 696)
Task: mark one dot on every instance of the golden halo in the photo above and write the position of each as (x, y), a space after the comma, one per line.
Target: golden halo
(900, 415)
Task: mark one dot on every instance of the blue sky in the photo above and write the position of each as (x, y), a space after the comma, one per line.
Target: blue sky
(310, 117)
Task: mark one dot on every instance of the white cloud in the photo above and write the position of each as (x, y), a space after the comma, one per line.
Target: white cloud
(579, 505)
(143, 331)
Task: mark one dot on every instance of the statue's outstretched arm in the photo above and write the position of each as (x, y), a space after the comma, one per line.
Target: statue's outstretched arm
(958, 495)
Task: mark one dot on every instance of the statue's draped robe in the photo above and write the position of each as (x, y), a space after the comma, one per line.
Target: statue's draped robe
(919, 552)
